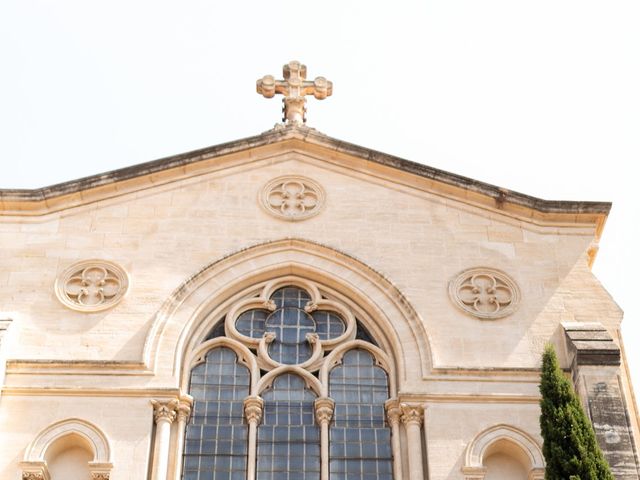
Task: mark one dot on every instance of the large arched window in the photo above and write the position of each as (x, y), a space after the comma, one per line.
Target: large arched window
(292, 387)
(289, 438)
(216, 437)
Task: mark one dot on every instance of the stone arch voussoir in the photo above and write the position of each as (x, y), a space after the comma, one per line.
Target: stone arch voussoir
(182, 322)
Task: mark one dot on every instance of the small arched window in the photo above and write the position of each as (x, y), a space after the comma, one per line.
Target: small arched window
(316, 392)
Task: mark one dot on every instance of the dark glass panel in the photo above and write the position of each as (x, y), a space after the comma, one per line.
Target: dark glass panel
(290, 297)
(360, 441)
(288, 438)
(216, 438)
(251, 323)
(328, 324)
(363, 334)
(291, 326)
(216, 331)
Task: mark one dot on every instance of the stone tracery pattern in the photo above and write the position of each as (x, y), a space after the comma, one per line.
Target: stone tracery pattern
(92, 285)
(292, 197)
(289, 327)
(485, 293)
(281, 336)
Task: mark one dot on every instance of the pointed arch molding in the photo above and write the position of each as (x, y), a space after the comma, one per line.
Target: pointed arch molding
(482, 443)
(184, 319)
(97, 440)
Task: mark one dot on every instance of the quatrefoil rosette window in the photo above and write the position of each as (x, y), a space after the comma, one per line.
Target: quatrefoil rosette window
(485, 293)
(92, 285)
(292, 197)
(290, 325)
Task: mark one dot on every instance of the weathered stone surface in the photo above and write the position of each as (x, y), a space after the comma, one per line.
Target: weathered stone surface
(192, 234)
(591, 344)
(596, 373)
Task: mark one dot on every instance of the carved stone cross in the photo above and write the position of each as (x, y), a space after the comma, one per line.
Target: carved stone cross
(294, 87)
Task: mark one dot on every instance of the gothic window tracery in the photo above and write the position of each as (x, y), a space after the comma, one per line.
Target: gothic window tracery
(314, 400)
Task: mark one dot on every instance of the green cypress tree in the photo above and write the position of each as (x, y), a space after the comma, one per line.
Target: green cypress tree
(570, 448)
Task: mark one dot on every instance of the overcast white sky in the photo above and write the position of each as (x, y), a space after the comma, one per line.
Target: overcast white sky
(539, 97)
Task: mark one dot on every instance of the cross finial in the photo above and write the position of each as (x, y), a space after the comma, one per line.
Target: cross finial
(294, 87)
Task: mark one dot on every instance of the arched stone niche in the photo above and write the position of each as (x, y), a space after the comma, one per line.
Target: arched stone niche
(64, 436)
(185, 318)
(505, 441)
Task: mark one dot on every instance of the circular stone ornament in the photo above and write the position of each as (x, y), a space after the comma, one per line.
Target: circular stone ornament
(485, 293)
(92, 285)
(292, 197)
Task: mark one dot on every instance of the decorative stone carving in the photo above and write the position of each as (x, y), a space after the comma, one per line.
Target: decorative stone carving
(183, 411)
(411, 414)
(294, 87)
(92, 285)
(164, 411)
(293, 197)
(253, 407)
(324, 410)
(393, 411)
(485, 293)
(33, 476)
(99, 476)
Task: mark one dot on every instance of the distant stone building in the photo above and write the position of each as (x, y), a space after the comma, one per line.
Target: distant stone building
(291, 306)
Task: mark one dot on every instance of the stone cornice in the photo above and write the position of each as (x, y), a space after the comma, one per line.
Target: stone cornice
(42, 201)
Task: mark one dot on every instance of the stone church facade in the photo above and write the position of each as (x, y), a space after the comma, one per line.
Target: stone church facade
(293, 306)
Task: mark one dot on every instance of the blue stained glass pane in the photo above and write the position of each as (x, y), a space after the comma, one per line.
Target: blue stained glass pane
(328, 325)
(288, 438)
(291, 326)
(216, 438)
(360, 441)
(251, 323)
(290, 297)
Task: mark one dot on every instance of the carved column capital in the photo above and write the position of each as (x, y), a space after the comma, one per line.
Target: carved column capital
(253, 408)
(33, 476)
(34, 471)
(324, 407)
(411, 414)
(183, 410)
(99, 476)
(392, 407)
(164, 411)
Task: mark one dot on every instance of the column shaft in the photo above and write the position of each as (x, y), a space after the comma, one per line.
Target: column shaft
(412, 419)
(253, 408)
(164, 414)
(325, 407)
(393, 418)
(184, 410)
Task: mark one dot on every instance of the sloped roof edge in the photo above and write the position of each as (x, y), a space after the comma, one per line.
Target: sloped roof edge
(501, 195)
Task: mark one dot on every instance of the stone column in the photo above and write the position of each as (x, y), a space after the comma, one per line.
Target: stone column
(394, 412)
(183, 412)
(253, 408)
(164, 413)
(595, 367)
(324, 413)
(412, 421)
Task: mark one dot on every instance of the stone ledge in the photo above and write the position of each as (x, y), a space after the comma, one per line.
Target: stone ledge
(500, 195)
(591, 344)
